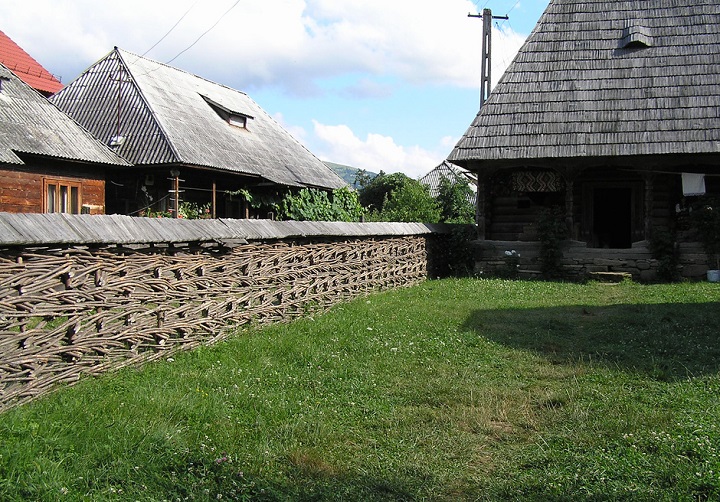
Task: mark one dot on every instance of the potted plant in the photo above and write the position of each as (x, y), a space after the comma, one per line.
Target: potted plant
(706, 220)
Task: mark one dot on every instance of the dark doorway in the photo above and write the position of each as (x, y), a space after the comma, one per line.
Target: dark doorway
(612, 217)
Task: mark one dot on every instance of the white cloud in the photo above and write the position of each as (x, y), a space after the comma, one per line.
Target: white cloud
(338, 143)
(297, 132)
(350, 49)
(288, 43)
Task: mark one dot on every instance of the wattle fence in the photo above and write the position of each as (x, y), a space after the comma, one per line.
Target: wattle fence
(82, 295)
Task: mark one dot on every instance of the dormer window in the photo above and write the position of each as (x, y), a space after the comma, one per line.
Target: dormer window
(238, 121)
(636, 36)
(234, 118)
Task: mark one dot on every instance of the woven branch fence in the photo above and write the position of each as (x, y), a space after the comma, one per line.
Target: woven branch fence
(67, 311)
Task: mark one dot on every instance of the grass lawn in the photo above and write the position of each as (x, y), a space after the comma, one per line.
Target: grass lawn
(451, 390)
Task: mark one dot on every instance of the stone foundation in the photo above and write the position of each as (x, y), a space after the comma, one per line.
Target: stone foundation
(580, 262)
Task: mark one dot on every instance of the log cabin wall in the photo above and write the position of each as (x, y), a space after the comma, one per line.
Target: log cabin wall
(20, 191)
(83, 308)
(22, 188)
(513, 213)
(609, 206)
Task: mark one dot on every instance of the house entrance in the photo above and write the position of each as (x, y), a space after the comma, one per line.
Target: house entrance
(612, 217)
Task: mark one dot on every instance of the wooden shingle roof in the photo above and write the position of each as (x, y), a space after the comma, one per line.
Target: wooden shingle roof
(169, 116)
(30, 124)
(605, 78)
(26, 67)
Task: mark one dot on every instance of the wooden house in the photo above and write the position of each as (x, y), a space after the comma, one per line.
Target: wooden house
(189, 139)
(27, 68)
(48, 163)
(611, 111)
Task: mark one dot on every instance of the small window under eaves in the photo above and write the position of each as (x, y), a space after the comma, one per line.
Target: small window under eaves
(636, 36)
(234, 118)
(238, 121)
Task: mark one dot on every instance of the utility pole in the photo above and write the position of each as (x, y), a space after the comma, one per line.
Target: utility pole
(485, 82)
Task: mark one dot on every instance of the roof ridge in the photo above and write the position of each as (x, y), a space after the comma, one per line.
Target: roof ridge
(174, 68)
(138, 89)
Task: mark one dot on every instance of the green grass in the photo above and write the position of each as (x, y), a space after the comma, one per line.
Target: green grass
(452, 390)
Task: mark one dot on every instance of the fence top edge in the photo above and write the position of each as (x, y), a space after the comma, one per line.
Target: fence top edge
(26, 229)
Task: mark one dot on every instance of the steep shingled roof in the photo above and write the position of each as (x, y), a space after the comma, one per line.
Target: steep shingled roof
(169, 116)
(606, 78)
(30, 124)
(26, 68)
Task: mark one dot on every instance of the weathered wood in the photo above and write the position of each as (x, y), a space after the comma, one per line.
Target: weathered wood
(68, 311)
(48, 229)
(22, 189)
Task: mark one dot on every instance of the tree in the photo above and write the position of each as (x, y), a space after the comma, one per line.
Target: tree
(412, 202)
(454, 199)
(374, 194)
(362, 179)
(311, 204)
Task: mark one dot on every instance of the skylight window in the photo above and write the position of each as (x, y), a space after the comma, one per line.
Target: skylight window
(636, 36)
(234, 118)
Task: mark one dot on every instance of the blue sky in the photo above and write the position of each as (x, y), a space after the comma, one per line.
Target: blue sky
(376, 84)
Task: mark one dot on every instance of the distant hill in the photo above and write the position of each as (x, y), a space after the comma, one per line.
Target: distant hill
(347, 173)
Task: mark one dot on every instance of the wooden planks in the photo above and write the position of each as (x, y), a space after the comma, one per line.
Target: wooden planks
(47, 229)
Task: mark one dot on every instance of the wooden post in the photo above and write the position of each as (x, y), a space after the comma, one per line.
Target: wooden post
(176, 188)
(649, 203)
(480, 209)
(569, 207)
(214, 200)
(486, 66)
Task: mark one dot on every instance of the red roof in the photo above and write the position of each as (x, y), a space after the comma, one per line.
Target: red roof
(26, 68)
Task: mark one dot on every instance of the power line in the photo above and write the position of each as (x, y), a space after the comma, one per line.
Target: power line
(205, 33)
(513, 7)
(171, 29)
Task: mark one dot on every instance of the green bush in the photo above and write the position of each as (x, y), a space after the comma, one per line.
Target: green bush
(552, 231)
(374, 193)
(310, 204)
(705, 218)
(454, 199)
(664, 249)
(410, 203)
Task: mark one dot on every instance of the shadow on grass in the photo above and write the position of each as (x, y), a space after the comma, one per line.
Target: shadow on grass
(303, 481)
(663, 341)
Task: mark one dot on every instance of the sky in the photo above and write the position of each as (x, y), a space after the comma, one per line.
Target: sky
(386, 85)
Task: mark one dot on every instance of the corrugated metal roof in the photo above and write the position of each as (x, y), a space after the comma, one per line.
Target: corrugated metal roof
(59, 228)
(166, 116)
(26, 67)
(576, 90)
(30, 124)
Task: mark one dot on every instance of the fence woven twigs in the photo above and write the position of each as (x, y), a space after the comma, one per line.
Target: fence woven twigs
(70, 311)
